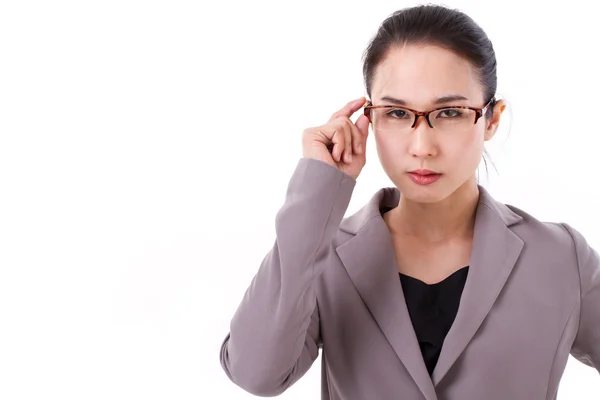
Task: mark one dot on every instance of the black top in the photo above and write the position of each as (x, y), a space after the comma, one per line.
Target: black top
(432, 309)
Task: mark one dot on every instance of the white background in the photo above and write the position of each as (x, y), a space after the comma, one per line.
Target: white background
(145, 148)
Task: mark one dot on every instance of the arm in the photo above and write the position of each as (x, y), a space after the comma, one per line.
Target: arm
(586, 347)
(274, 334)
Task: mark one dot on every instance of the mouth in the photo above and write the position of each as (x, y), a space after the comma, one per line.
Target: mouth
(424, 176)
(424, 172)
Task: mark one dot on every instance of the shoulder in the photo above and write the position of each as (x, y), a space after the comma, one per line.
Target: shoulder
(559, 239)
(557, 232)
(530, 226)
(587, 258)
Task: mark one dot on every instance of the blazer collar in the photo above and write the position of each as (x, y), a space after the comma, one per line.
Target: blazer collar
(369, 259)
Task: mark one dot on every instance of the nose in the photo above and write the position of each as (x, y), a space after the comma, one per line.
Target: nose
(422, 140)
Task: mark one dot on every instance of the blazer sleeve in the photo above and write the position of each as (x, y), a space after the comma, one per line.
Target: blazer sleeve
(274, 334)
(586, 347)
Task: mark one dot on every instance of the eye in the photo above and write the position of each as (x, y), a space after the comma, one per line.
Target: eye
(450, 113)
(397, 113)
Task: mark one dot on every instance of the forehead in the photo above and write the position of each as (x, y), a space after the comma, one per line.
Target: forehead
(419, 74)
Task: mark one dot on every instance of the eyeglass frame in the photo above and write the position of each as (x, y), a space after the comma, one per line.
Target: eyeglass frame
(480, 111)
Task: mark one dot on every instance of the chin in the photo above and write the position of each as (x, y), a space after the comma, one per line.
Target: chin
(425, 198)
(432, 193)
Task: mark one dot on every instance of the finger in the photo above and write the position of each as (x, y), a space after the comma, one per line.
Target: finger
(358, 139)
(362, 124)
(338, 140)
(348, 141)
(349, 108)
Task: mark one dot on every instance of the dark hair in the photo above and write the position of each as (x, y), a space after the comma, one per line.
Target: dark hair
(437, 25)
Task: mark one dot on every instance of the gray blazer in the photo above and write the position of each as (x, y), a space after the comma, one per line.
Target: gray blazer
(532, 297)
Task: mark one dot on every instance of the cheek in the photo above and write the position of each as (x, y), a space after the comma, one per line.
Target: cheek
(464, 150)
(391, 143)
(449, 146)
(390, 148)
(467, 143)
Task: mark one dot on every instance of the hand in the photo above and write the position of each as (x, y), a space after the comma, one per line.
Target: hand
(340, 142)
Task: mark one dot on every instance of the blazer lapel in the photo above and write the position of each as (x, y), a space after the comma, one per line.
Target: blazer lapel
(494, 254)
(370, 261)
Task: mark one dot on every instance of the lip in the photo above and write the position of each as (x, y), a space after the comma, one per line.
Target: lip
(424, 176)
(424, 172)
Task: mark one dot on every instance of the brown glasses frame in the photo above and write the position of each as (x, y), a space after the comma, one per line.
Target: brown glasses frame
(480, 111)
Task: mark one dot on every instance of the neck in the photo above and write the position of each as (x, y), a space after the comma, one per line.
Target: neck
(453, 217)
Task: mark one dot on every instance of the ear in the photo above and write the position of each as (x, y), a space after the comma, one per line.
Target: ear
(492, 124)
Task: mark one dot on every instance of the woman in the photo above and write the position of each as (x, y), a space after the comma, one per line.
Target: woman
(433, 290)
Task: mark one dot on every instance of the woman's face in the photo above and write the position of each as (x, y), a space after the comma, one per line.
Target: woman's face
(419, 75)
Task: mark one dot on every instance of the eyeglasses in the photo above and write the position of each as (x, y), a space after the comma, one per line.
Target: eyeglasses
(445, 119)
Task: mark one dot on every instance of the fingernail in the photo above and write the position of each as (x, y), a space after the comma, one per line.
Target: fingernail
(359, 148)
(349, 157)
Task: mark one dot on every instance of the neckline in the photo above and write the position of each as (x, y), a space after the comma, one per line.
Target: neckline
(455, 273)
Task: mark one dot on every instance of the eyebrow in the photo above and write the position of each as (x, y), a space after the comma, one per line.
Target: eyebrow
(441, 100)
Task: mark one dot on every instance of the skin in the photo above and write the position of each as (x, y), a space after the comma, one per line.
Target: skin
(433, 224)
